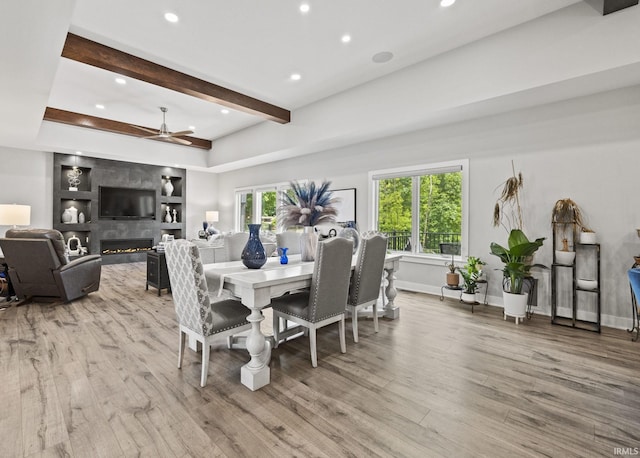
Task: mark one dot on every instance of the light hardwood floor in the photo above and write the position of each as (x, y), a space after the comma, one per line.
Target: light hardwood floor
(98, 377)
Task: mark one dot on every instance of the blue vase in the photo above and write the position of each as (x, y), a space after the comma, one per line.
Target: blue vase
(253, 255)
(283, 256)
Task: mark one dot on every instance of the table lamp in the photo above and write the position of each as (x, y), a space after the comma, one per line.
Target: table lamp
(211, 217)
(15, 215)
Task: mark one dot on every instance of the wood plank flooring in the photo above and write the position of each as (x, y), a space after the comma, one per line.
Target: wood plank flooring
(98, 378)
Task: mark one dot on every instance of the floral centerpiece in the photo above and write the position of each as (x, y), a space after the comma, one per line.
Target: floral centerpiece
(306, 206)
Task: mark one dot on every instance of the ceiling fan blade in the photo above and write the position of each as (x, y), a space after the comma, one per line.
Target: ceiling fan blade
(182, 132)
(152, 136)
(178, 140)
(151, 131)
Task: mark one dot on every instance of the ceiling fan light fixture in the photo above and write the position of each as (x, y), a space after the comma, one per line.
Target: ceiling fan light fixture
(164, 134)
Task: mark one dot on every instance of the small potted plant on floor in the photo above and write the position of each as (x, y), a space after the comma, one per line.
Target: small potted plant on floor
(471, 273)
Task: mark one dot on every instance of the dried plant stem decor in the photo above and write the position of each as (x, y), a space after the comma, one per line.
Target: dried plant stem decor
(507, 211)
(308, 205)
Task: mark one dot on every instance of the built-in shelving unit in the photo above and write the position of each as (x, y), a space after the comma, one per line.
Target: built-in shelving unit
(93, 173)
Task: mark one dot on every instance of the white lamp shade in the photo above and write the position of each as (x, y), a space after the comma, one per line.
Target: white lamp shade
(15, 215)
(211, 216)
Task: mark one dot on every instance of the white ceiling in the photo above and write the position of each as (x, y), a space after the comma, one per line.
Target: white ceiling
(250, 46)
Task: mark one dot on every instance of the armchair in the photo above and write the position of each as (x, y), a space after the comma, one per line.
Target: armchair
(39, 268)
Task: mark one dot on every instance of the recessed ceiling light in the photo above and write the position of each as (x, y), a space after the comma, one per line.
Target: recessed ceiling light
(346, 38)
(446, 3)
(121, 80)
(171, 17)
(224, 111)
(295, 76)
(79, 153)
(192, 127)
(304, 8)
(382, 57)
(99, 106)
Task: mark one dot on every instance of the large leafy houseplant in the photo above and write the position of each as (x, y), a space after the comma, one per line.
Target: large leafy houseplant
(515, 257)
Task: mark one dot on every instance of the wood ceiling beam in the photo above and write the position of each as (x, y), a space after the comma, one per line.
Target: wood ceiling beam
(108, 125)
(89, 52)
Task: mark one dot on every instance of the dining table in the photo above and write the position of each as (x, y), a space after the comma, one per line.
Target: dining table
(256, 287)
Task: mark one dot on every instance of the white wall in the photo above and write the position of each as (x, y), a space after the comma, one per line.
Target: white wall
(202, 195)
(586, 149)
(26, 178)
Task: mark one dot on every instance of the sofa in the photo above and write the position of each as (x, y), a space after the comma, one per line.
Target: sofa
(216, 250)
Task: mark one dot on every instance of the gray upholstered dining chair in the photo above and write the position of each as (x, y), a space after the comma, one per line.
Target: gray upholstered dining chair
(365, 282)
(290, 240)
(199, 316)
(326, 301)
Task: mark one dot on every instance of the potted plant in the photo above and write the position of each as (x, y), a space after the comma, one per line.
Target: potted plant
(453, 278)
(471, 273)
(566, 218)
(515, 270)
(306, 206)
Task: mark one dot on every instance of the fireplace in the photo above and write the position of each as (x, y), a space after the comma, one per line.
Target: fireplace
(125, 246)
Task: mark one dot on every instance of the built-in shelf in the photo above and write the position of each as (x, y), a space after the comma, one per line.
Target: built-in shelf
(103, 172)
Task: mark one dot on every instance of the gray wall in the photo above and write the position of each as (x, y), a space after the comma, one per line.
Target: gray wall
(585, 149)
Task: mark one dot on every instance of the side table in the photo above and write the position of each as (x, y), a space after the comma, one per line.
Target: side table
(157, 273)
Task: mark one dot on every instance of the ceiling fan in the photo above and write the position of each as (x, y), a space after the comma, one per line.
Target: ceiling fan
(164, 134)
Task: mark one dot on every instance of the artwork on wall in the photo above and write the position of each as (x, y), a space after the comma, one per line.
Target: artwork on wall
(347, 204)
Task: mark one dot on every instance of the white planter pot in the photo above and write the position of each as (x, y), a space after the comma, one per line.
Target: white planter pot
(515, 305)
(469, 298)
(588, 238)
(565, 258)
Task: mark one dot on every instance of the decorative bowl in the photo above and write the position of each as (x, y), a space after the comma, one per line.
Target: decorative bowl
(583, 283)
(565, 257)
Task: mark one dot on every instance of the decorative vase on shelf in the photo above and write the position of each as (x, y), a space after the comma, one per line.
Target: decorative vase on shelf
(81, 218)
(167, 217)
(283, 256)
(74, 215)
(168, 188)
(308, 244)
(253, 255)
(66, 216)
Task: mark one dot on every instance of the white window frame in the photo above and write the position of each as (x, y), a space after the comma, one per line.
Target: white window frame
(418, 170)
(279, 188)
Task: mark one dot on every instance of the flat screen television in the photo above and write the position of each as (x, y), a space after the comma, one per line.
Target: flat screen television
(126, 203)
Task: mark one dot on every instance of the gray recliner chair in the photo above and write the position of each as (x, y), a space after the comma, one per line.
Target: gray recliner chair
(39, 267)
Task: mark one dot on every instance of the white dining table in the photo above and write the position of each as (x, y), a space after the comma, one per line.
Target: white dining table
(256, 287)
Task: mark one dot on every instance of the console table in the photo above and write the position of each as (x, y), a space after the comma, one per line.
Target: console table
(157, 274)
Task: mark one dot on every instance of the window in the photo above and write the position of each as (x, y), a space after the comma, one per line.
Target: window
(422, 209)
(259, 206)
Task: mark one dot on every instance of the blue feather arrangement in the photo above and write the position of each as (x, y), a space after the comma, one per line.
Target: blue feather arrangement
(308, 205)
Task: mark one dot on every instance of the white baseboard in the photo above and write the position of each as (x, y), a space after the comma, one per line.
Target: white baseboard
(610, 321)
